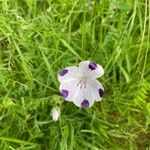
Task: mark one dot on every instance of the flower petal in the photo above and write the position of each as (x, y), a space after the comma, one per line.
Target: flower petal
(97, 89)
(91, 69)
(69, 74)
(68, 89)
(72, 91)
(83, 98)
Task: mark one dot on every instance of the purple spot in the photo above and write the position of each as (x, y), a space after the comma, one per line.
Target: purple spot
(101, 92)
(85, 104)
(92, 66)
(64, 93)
(63, 72)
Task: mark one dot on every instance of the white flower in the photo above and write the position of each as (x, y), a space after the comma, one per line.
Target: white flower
(80, 85)
(55, 113)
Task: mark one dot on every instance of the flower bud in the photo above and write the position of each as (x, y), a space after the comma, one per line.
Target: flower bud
(55, 113)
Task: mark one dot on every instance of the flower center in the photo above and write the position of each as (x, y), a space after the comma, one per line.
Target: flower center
(82, 83)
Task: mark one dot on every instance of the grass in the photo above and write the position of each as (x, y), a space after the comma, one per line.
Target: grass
(40, 37)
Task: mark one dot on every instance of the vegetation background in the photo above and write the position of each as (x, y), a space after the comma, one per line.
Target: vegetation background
(38, 38)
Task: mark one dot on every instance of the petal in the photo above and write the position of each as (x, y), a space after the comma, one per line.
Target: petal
(68, 89)
(91, 69)
(69, 74)
(97, 89)
(85, 103)
(81, 97)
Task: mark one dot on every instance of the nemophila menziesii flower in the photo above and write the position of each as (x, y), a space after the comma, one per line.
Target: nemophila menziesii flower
(80, 85)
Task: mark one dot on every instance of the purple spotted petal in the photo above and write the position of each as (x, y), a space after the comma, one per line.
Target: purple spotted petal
(63, 72)
(92, 66)
(101, 92)
(64, 93)
(85, 104)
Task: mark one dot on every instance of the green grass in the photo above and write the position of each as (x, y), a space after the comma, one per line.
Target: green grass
(40, 37)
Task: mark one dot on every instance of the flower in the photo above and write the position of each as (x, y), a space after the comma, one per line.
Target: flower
(80, 85)
(55, 113)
